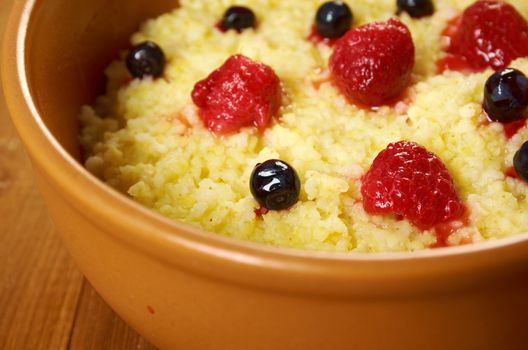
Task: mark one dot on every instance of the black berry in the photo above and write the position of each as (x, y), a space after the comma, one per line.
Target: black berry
(416, 8)
(275, 184)
(333, 19)
(506, 95)
(238, 18)
(520, 162)
(146, 59)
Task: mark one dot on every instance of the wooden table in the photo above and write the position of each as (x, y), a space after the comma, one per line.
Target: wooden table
(45, 303)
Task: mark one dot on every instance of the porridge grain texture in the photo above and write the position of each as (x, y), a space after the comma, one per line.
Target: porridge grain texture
(145, 138)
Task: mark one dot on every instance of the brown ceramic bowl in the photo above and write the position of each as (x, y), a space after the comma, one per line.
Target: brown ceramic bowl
(182, 288)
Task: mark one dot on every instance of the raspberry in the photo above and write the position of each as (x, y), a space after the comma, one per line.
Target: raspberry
(490, 34)
(372, 64)
(407, 180)
(240, 93)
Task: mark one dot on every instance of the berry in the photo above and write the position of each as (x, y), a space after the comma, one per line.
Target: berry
(520, 162)
(506, 96)
(146, 59)
(240, 93)
(333, 19)
(416, 8)
(238, 18)
(275, 184)
(372, 64)
(407, 180)
(491, 34)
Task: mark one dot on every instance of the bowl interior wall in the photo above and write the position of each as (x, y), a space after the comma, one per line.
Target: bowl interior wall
(69, 44)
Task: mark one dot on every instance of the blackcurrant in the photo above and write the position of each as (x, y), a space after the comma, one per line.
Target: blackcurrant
(520, 162)
(275, 184)
(416, 8)
(146, 59)
(333, 19)
(506, 95)
(238, 18)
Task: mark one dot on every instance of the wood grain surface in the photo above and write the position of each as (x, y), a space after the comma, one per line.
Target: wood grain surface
(45, 303)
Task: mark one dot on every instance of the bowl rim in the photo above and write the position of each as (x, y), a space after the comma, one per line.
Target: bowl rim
(152, 233)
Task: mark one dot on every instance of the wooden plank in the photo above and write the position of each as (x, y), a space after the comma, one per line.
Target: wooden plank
(98, 327)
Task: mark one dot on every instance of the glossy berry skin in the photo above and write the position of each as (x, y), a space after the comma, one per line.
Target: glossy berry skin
(407, 180)
(275, 184)
(490, 34)
(506, 96)
(520, 162)
(416, 8)
(372, 64)
(240, 93)
(146, 59)
(238, 18)
(333, 19)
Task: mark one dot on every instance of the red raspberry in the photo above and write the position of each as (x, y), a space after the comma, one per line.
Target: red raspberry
(490, 34)
(407, 180)
(372, 64)
(240, 93)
